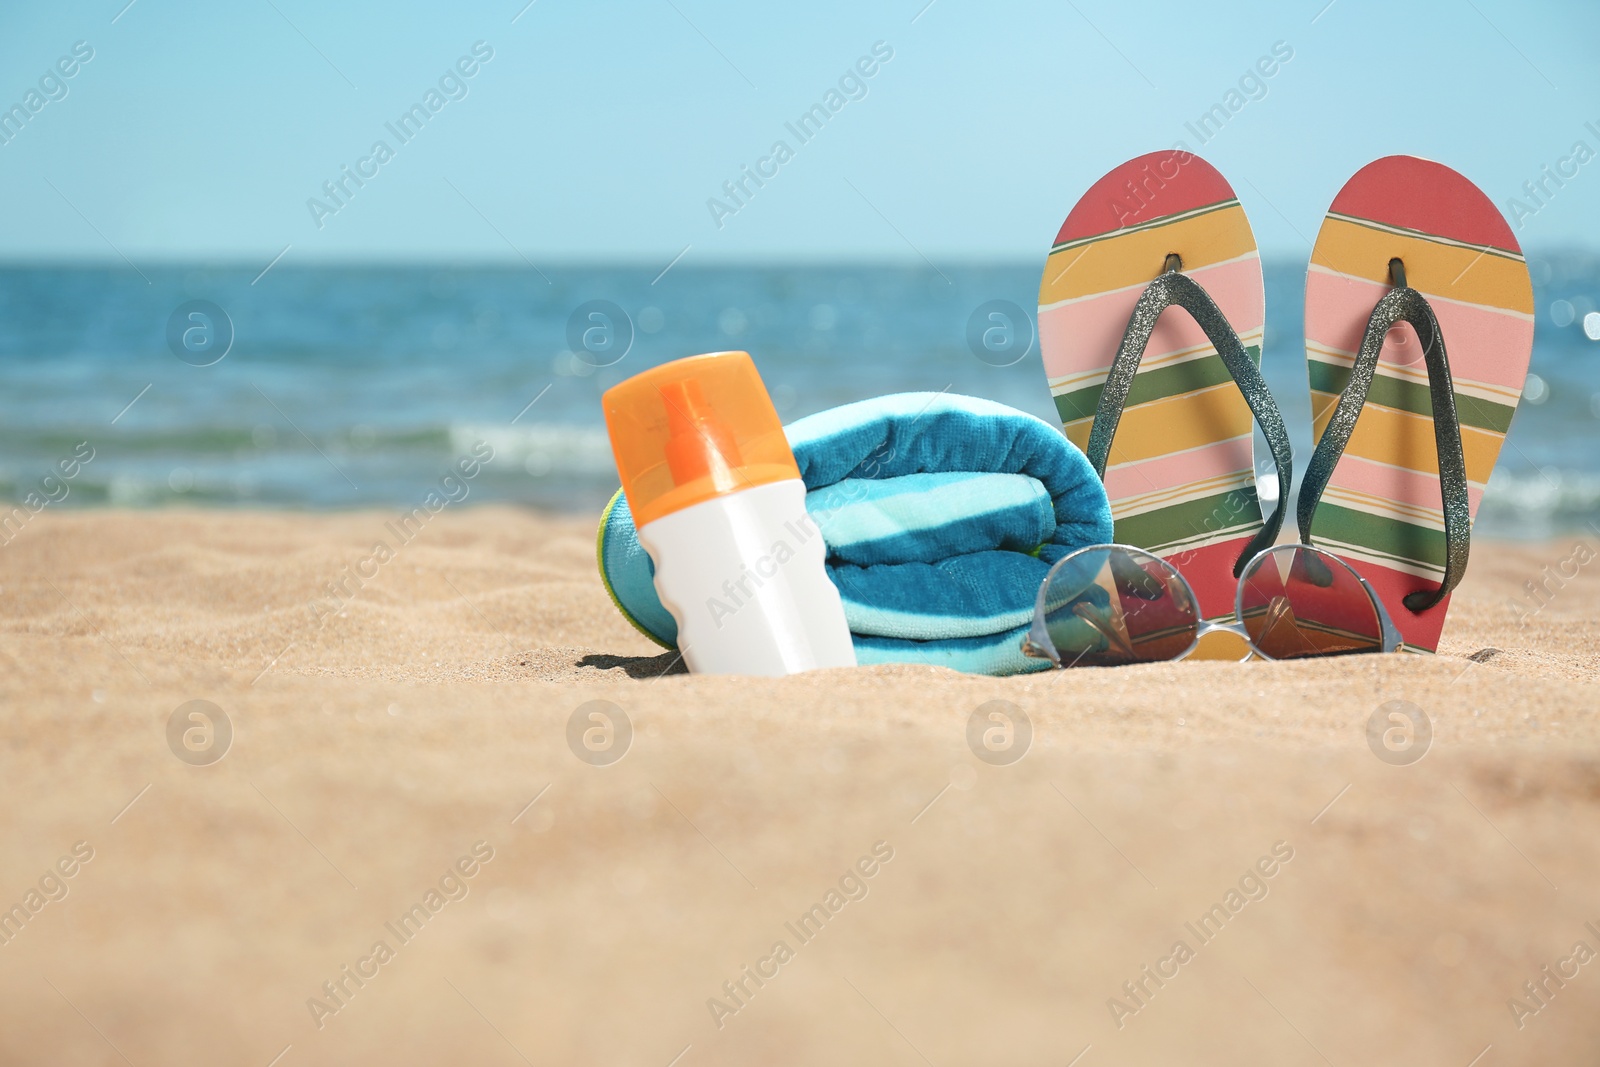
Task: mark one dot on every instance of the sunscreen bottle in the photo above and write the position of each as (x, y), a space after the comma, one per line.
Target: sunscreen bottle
(720, 508)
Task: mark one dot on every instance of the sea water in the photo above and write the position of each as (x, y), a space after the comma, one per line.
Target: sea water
(367, 386)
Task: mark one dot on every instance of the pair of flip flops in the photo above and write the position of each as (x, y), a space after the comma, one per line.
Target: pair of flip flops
(1419, 328)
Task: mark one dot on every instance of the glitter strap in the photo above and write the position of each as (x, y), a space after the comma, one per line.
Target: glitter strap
(1402, 304)
(1172, 288)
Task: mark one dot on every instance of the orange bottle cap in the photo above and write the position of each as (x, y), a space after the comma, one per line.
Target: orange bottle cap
(694, 429)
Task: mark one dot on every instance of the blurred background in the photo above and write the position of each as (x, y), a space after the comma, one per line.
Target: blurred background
(212, 272)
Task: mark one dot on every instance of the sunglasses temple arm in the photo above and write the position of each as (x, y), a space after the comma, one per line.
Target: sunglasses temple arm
(1392, 639)
(1036, 644)
(1114, 637)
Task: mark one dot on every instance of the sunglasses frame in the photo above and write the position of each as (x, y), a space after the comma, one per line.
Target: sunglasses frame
(1037, 644)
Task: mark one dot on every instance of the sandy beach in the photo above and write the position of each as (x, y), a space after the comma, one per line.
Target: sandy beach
(403, 744)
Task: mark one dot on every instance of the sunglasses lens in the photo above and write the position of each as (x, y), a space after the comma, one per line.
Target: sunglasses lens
(1108, 606)
(1297, 601)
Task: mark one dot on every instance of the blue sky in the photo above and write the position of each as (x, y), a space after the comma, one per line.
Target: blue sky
(600, 131)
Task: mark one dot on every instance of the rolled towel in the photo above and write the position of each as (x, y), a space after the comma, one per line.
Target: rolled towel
(941, 514)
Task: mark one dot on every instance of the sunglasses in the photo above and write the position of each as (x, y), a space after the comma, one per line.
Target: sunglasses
(1112, 605)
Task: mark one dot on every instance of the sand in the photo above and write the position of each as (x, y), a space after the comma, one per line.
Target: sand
(376, 746)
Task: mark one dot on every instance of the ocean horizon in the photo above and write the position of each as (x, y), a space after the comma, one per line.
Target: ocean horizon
(345, 386)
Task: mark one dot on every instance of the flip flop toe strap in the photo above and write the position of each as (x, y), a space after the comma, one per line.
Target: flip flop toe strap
(1172, 288)
(1402, 304)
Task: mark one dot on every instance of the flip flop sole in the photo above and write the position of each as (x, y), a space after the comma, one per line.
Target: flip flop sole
(1381, 510)
(1181, 474)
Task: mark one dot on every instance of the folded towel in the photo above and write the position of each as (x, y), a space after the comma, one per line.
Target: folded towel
(941, 514)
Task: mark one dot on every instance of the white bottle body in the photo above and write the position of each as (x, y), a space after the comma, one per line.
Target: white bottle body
(743, 576)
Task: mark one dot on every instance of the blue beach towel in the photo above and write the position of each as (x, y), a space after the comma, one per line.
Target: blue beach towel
(941, 514)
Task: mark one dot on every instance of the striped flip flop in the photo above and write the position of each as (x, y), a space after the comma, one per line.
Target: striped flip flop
(1419, 327)
(1161, 399)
